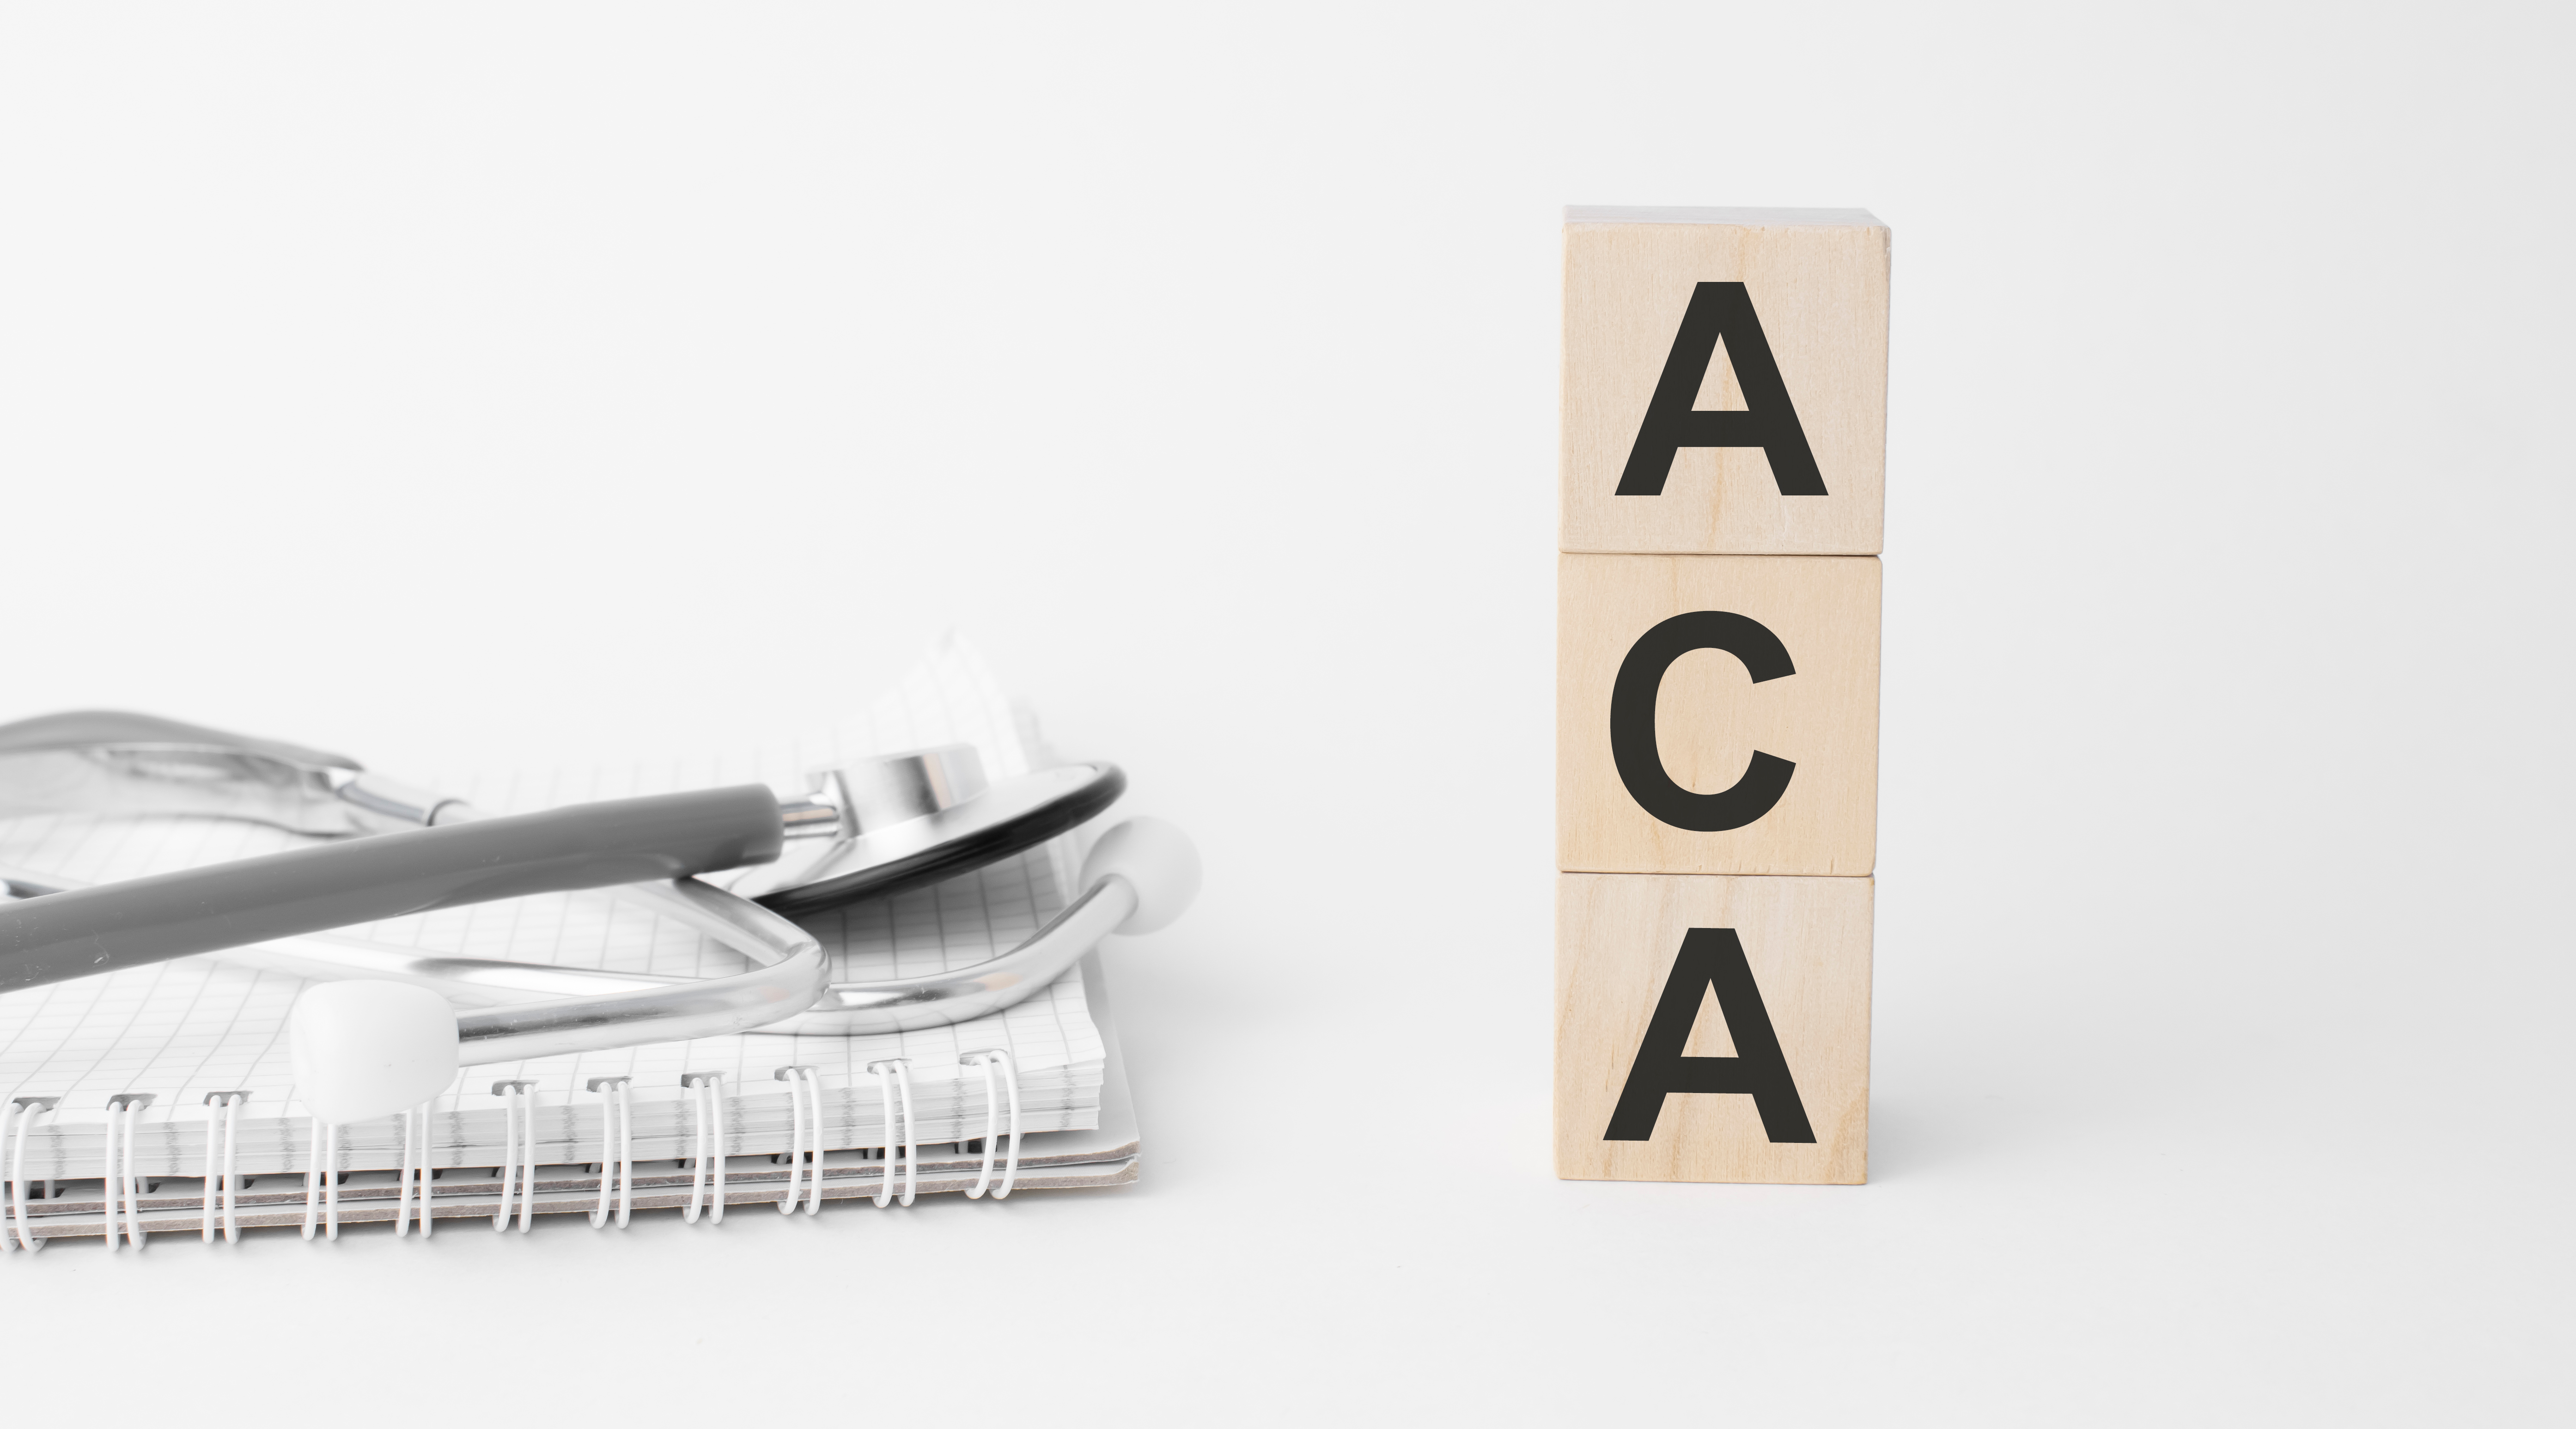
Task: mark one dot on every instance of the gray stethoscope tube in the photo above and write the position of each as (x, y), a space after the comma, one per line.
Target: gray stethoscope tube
(860, 831)
(74, 933)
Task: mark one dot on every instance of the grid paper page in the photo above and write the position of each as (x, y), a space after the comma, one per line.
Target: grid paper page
(182, 1029)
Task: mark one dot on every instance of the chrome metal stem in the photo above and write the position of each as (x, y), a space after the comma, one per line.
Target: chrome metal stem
(792, 970)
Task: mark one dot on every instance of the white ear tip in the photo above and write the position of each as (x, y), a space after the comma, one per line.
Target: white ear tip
(369, 1049)
(1157, 860)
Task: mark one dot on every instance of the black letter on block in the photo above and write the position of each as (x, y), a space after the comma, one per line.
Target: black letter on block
(1632, 721)
(1721, 310)
(1710, 957)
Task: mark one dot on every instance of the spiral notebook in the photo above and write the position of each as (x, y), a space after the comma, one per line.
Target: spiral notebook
(128, 1095)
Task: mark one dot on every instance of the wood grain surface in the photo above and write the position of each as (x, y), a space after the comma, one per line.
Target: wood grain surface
(1820, 291)
(1713, 721)
(1806, 942)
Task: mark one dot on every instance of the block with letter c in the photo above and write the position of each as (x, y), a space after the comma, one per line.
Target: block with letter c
(1717, 714)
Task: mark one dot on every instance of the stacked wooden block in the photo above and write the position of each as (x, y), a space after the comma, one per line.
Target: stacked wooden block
(1723, 461)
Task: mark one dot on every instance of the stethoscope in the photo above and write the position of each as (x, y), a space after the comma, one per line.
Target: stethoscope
(733, 864)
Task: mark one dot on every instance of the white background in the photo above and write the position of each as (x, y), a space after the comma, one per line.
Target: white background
(490, 382)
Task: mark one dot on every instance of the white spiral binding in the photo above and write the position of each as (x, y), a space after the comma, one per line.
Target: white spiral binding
(706, 1107)
(124, 1186)
(893, 1072)
(803, 1087)
(122, 1189)
(813, 1140)
(107, 1180)
(9, 1184)
(322, 1179)
(25, 1110)
(615, 1107)
(415, 1162)
(518, 1128)
(988, 1059)
(223, 1124)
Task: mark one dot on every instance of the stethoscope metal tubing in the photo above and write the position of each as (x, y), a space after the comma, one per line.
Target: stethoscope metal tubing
(935, 999)
(840, 1009)
(578, 1010)
(666, 1012)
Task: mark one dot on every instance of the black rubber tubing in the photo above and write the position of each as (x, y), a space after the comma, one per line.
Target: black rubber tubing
(333, 885)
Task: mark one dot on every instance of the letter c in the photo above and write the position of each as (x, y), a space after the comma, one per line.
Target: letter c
(1632, 721)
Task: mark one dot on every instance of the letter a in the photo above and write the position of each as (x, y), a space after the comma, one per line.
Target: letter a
(1710, 958)
(1721, 311)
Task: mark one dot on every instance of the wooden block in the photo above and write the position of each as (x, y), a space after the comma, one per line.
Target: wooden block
(1717, 714)
(1761, 329)
(1712, 1029)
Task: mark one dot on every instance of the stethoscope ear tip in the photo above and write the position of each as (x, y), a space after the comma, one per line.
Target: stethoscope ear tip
(367, 1048)
(1157, 860)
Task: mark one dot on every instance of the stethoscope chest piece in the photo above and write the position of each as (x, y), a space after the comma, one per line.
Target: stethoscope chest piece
(901, 821)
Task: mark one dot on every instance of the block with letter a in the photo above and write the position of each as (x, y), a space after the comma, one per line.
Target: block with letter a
(1725, 381)
(1712, 1029)
(1722, 462)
